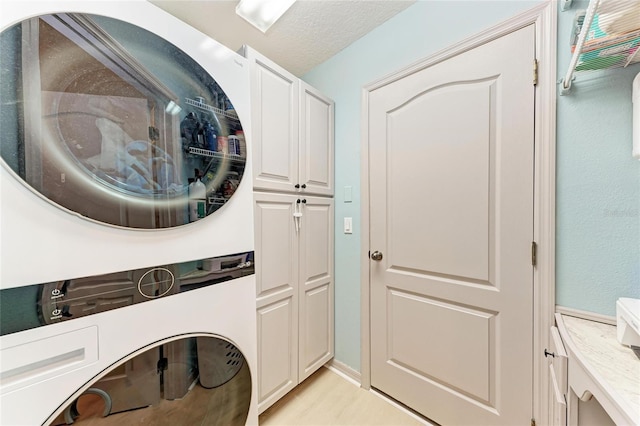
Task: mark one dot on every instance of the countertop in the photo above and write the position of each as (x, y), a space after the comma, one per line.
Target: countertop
(613, 367)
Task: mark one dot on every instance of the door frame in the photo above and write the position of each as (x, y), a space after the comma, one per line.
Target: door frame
(544, 17)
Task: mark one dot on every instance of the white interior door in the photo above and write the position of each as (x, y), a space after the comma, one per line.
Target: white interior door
(451, 210)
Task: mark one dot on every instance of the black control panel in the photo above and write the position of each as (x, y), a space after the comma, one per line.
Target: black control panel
(23, 308)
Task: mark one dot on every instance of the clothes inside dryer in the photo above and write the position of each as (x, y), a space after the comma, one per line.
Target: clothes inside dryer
(191, 380)
(111, 122)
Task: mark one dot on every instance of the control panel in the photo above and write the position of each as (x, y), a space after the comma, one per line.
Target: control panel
(78, 297)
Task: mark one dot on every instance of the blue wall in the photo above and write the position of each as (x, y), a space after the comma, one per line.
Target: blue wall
(598, 182)
(598, 186)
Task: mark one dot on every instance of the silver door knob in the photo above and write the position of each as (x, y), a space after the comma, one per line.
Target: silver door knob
(376, 255)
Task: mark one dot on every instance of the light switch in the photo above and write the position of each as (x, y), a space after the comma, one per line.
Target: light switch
(347, 194)
(348, 225)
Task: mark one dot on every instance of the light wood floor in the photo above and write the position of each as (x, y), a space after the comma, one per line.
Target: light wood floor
(326, 398)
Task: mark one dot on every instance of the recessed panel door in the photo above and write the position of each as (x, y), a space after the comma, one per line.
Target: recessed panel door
(316, 285)
(274, 99)
(277, 234)
(451, 164)
(316, 141)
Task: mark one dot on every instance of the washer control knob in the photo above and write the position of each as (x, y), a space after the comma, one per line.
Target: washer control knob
(156, 282)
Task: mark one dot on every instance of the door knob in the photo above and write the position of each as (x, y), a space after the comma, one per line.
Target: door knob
(377, 256)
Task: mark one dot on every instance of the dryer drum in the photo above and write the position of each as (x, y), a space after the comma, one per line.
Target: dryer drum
(191, 380)
(219, 363)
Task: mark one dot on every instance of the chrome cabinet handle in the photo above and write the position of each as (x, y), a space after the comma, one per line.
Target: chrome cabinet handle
(377, 256)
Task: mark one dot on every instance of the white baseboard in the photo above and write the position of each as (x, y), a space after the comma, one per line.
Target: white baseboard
(344, 371)
(591, 316)
(402, 408)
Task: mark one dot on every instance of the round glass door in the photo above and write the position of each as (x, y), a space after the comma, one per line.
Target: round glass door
(116, 124)
(200, 380)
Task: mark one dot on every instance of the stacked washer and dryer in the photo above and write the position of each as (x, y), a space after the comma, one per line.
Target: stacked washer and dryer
(127, 290)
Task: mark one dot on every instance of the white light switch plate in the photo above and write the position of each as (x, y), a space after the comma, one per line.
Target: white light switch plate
(348, 225)
(347, 194)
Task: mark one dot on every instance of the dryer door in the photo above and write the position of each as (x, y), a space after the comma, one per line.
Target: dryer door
(110, 121)
(196, 380)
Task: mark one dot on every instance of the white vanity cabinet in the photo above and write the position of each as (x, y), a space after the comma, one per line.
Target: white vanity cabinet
(602, 376)
(292, 131)
(557, 371)
(294, 278)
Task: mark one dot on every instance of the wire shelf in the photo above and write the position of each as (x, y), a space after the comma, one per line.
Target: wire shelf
(606, 35)
(220, 155)
(230, 114)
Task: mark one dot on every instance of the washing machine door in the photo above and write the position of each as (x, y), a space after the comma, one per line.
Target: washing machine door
(111, 122)
(193, 380)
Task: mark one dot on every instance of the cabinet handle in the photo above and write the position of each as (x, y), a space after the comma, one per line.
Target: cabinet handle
(547, 353)
(297, 215)
(304, 201)
(304, 185)
(297, 186)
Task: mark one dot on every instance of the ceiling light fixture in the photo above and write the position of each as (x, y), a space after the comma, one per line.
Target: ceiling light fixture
(262, 13)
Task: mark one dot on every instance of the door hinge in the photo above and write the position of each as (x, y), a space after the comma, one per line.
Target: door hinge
(535, 72)
(533, 422)
(534, 253)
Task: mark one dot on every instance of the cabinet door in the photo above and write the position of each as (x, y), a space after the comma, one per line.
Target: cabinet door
(276, 254)
(557, 381)
(274, 100)
(316, 141)
(316, 285)
(277, 351)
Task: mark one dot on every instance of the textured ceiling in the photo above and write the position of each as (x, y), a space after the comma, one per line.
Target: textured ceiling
(309, 33)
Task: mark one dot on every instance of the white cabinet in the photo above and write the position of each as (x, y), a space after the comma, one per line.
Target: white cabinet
(316, 141)
(292, 131)
(294, 276)
(274, 118)
(315, 289)
(603, 376)
(293, 152)
(277, 243)
(557, 380)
